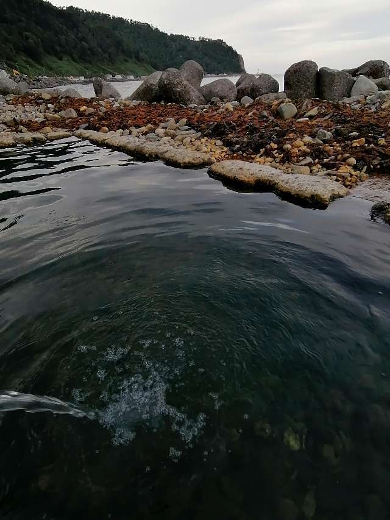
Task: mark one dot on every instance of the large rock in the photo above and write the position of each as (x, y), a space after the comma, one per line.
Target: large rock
(193, 73)
(364, 87)
(255, 87)
(23, 87)
(372, 69)
(301, 80)
(8, 86)
(244, 76)
(70, 93)
(382, 83)
(175, 89)
(267, 84)
(104, 89)
(306, 190)
(224, 89)
(148, 90)
(334, 85)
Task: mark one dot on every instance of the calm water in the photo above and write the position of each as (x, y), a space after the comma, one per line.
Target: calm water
(126, 88)
(204, 354)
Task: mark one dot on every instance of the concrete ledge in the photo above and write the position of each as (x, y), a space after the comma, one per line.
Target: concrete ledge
(305, 190)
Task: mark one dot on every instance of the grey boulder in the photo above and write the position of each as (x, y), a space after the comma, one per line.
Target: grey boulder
(224, 89)
(148, 90)
(255, 87)
(192, 72)
(267, 84)
(334, 85)
(382, 83)
(174, 88)
(372, 69)
(246, 100)
(301, 79)
(287, 110)
(70, 93)
(242, 77)
(21, 88)
(8, 86)
(104, 89)
(364, 87)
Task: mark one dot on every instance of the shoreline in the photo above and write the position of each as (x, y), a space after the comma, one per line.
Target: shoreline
(357, 140)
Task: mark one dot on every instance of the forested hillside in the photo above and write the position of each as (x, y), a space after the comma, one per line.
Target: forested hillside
(37, 37)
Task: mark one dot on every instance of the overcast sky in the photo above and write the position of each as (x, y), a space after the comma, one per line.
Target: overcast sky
(270, 34)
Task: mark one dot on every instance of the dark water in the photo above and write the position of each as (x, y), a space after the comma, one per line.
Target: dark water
(204, 354)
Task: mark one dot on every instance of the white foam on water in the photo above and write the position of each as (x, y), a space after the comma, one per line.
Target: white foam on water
(142, 400)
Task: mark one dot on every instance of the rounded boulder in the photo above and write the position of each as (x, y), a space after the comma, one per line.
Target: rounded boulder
(174, 88)
(300, 80)
(372, 69)
(224, 89)
(255, 87)
(192, 72)
(148, 90)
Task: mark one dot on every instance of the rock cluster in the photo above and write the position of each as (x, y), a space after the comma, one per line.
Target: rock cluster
(303, 80)
(184, 87)
(254, 87)
(302, 139)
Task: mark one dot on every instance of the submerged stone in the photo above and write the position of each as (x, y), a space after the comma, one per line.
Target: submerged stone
(288, 510)
(263, 429)
(381, 210)
(292, 440)
(309, 505)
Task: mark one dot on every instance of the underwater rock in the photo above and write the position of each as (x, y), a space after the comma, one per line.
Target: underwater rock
(309, 505)
(263, 429)
(381, 210)
(288, 510)
(292, 440)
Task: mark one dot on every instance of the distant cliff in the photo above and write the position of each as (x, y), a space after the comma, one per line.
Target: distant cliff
(39, 38)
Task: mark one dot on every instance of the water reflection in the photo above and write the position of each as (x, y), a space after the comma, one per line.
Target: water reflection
(231, 351)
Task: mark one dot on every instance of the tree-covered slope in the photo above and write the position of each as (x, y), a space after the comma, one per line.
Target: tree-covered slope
(37, 37)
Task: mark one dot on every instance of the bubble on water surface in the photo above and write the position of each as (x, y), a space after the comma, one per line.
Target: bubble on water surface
(85, 348)
(115, 354)
(174, 454)
(142, 400)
